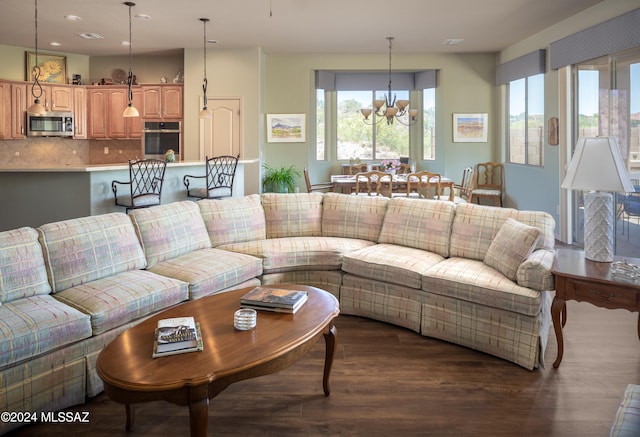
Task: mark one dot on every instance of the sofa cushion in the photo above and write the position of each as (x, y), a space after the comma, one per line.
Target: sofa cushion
(512, 244)
(122, 298)
(475, 227)
(168, 231)
(390, 263)
(86, 249)
(233, 220)
(422, 224)
(358, 217)
(299, 253)
(293, 215)
(474, 281)
(38, 324)
(22, 269)
(209, 271)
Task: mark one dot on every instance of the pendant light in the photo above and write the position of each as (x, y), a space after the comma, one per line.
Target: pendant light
(205, 112)
(36, 107)
(130, 110)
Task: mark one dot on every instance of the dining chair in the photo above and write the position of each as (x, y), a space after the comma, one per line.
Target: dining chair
(404, 169)
(144, 185)
(489, 182)
(420, 184)
(219, 174)
(322, 187)
(374, 183)
(357, 168)
(462, 192)
(631, 209)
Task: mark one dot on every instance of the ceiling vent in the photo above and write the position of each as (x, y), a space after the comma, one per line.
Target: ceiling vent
(90, 35)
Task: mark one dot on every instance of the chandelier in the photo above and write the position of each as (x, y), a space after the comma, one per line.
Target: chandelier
(36, 107)
(390, 109)
(130, 110)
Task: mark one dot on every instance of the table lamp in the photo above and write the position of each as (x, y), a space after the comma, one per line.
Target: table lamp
(597, 167)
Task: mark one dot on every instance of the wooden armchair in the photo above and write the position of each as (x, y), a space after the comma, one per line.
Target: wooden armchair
(489, 182)
(462, 192)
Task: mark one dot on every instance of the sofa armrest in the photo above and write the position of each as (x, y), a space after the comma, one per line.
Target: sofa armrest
(535, 270)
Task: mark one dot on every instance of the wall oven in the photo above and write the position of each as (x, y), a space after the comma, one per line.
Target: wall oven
(160, 136)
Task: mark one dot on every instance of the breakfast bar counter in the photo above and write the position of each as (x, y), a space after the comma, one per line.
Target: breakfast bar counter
(33, 196)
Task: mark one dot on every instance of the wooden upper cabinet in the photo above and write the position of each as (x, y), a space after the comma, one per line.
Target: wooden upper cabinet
(97, 112)
(152, 101)
(57, 97)
(80, 112)
(172, 101)
(134, 124)
(5, 110)
(162, 101)
(19, 99)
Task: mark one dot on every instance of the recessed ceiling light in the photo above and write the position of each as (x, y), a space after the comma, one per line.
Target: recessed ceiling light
(88, 35)
(212, 41)
(72, 17)
(452, 41)
(143, 17)
(124, 43)
(55, 44)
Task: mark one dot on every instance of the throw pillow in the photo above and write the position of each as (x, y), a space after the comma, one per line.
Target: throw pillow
(511, 245)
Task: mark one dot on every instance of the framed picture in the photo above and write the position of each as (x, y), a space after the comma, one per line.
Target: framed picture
(286, 128)
(53, 68)
(470, 128)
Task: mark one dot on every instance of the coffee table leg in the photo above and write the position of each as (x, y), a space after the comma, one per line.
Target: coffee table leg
(130, 412)
(331, 343)
(199, 417)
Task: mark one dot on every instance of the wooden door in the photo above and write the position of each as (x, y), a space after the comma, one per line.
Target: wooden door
(221, 134)
(80, 112)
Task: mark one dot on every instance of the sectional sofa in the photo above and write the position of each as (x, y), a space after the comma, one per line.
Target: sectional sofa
(473, 275)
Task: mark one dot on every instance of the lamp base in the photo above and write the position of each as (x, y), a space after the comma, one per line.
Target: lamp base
(598, 226)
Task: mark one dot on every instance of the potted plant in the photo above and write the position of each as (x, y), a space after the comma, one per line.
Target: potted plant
(279, 180)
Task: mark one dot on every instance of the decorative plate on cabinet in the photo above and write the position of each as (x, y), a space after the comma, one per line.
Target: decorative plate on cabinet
(118, 75)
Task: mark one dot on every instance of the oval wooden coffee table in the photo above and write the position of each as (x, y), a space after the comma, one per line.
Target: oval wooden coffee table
(132, 376)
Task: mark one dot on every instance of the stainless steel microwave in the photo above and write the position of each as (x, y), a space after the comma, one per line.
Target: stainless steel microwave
(50, 124)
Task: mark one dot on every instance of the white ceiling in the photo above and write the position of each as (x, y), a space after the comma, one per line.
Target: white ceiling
(293, 26)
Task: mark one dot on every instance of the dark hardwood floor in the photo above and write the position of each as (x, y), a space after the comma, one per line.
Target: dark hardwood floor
(388, 381)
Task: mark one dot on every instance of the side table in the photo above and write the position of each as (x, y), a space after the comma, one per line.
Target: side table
(583, 280)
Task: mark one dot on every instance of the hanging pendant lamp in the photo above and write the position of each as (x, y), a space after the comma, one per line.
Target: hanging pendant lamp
(130, 110)
(205, 112)
(36, 107)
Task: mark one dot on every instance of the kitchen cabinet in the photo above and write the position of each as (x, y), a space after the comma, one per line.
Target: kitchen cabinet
(57, 97)
(5, 110)
(105, 108)
(20, 94)
(80, 112)
(162, 101)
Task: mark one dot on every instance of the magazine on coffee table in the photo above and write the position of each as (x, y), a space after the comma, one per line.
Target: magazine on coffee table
(176, 336)
(274, 299)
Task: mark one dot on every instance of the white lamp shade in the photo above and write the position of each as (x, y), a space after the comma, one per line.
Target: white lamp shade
(131, 111)
(597, 165)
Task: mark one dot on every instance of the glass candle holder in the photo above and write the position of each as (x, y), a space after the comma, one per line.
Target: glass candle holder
(244, 319)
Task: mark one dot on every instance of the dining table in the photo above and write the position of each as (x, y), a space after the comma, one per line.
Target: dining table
(346, 184)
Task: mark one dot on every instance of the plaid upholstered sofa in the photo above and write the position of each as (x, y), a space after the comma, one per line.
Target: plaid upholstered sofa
(446, 271)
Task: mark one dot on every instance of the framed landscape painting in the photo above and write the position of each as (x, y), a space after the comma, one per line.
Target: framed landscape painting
(286, 128)
(470, 128)
(53, 68)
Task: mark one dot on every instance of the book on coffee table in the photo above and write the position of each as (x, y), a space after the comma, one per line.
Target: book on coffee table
(274, 299)
(177, 335)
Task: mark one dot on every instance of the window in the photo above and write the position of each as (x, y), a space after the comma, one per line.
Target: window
(320, 126)
(526, 120)
(357, 139)
(429, 124)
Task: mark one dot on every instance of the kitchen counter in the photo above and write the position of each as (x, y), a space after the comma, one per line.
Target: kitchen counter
(37, 195)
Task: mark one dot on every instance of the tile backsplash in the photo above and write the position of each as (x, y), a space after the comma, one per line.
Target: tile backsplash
(52, 152)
